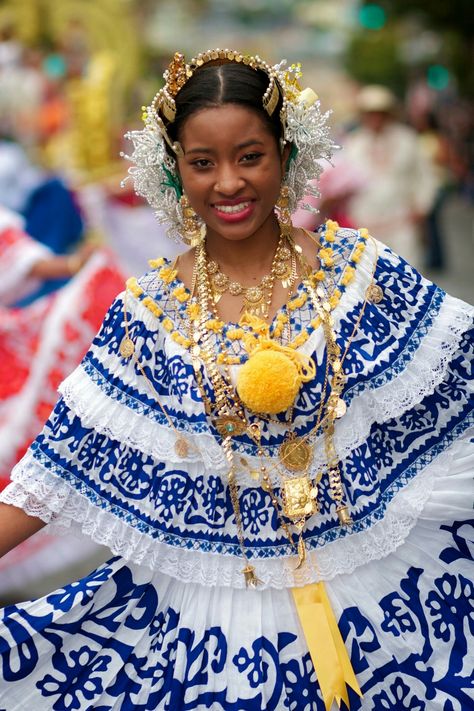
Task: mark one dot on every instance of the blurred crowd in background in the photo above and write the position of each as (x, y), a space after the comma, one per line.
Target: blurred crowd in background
(74, 75)
(398, 76)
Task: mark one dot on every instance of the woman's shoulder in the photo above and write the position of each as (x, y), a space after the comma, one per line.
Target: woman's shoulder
(328, 243)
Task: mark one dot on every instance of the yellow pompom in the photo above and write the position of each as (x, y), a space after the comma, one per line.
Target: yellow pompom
(268, 382)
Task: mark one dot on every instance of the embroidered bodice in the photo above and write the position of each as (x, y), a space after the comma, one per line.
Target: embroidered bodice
(106, 460)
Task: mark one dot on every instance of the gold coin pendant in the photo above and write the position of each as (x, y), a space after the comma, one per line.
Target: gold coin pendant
(181, 447)
(295, 454)
(127, 347)
(375, 293)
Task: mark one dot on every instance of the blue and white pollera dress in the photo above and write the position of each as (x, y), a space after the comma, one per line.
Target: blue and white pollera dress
(168, 623)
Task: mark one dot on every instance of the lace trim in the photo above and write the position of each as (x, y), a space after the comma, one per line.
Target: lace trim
(43, 495)
(376, 403)
(420, 377)
(109, 417)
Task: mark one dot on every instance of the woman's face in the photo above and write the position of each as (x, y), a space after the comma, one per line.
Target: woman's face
(231, 170)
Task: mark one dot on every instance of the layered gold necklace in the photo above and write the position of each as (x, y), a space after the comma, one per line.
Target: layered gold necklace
(299, 494)
(256, 300)
(298, 499)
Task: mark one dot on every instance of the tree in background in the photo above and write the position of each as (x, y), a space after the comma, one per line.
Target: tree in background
(386, 48)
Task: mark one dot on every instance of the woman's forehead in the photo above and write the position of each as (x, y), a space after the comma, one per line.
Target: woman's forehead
(232, 123)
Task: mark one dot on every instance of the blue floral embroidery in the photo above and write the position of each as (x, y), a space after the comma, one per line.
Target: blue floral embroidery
(80, 592)
(451, 605)
(171, 493)
(397, 698)
(78, 679)
(255, 510)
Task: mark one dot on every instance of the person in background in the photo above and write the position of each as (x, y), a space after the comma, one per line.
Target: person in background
(25, 263)
(448, 169)
(39, 344)
(399, 183)
(338, 183)
(47, 204)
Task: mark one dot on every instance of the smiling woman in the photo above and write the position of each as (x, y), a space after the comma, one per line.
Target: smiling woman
(271, 433)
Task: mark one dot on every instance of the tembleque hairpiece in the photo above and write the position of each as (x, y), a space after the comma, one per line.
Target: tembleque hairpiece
(155, 173)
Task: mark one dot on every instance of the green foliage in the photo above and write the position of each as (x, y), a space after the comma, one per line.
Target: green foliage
(373, 58)
(374, 55)
(454, 15)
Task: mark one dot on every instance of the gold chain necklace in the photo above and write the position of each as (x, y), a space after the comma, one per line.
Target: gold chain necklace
(299, 494)
(231, 421)
(127, 350)
(256, 300)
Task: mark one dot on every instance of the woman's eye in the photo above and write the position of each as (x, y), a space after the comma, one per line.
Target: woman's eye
(248, 157)
(201, 163)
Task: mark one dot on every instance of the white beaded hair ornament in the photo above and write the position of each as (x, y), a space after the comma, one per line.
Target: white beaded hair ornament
(305, 128)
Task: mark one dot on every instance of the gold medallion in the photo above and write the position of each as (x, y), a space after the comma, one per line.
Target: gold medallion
(181, 447)
(299, 498)
(127, 347)
(374, 293)
(340, 408)
(230, 426)
(254, 430)
(295, 454)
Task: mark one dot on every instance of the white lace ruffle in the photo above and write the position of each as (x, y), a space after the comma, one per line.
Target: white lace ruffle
(421, 375)
(378, 402)
(117, 421)
(44, 495)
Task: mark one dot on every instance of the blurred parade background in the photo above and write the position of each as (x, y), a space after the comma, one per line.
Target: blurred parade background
(73, 78)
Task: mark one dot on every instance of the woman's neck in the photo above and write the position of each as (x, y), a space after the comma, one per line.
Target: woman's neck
(248, 256)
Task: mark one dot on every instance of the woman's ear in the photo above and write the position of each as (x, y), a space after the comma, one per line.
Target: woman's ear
(285, 154)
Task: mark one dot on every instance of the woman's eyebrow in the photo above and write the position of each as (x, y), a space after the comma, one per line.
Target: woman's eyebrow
(245, 144)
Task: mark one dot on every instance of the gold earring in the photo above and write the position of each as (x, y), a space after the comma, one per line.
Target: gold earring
(193, 229)
(284, 214)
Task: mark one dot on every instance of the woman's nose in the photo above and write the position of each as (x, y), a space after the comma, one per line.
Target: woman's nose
(229, 181)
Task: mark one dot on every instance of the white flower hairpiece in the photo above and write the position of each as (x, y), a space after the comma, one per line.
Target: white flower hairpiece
(305, 128)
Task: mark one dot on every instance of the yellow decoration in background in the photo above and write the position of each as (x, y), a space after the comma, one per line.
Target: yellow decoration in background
(328, 653)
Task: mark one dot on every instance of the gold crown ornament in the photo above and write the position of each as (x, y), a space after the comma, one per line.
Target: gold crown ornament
(304, 126)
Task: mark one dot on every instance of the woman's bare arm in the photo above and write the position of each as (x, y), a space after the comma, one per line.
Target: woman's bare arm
(15, 526)
(59, 266)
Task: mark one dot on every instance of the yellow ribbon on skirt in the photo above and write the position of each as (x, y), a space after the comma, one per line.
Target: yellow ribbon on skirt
(326, 646)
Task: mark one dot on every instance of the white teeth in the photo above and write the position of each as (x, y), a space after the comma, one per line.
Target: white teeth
(229, 209)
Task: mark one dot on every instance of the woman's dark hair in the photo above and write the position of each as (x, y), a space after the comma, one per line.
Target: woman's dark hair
(216, 85)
